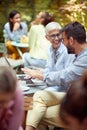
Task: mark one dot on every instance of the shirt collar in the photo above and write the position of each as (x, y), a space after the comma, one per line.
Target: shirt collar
(59, 50)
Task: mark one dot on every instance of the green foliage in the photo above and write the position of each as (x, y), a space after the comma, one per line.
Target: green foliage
(64, 11)
(74, 10)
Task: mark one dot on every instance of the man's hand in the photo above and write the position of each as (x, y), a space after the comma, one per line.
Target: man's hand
(33, 73)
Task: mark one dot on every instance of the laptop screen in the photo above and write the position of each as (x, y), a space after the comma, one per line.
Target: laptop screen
(5, 62)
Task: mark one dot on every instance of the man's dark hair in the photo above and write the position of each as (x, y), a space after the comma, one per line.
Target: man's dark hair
(75, 30)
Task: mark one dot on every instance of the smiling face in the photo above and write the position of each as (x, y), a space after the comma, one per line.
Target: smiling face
(16, 18)
(53, 37)
(40, 17)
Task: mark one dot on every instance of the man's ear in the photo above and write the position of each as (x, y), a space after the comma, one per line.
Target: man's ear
(71, 40)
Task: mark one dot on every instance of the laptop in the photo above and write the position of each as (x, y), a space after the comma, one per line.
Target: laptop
(29, 82)
(4, 61)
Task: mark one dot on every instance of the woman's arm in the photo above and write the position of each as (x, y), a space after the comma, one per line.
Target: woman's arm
(15, 34)
(8, 33)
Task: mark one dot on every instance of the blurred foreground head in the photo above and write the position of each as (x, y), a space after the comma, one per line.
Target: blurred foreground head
(8, 84)
(73, 109)
(7, 79)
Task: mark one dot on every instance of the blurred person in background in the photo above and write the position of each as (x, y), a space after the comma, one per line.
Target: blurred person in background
(38, 44)
(15, 31)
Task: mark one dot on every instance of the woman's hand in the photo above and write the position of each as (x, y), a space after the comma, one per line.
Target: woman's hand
(33, 73)
(16, 26)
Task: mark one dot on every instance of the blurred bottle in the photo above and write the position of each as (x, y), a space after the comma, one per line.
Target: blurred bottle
(24, 39)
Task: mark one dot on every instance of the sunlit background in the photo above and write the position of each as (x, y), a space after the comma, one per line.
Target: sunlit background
(64, 11)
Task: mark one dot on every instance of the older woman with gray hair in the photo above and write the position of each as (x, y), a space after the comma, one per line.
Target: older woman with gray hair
(57, 56)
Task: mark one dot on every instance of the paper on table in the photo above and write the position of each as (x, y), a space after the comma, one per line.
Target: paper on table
(25, 88)
(38, 82)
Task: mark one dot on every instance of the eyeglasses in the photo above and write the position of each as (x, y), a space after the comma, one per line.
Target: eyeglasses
(56, 35)
(53, 36)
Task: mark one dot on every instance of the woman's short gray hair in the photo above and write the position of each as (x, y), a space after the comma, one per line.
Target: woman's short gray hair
(52, 26)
